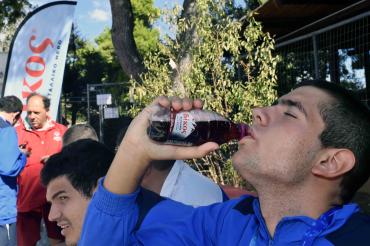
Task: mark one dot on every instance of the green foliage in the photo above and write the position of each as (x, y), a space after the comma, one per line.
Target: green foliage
(89, 63)
(144, 10)
(145, 14)
(146, 39)
(11, 11)
(297, 64)
(98, 63)
(110, 69)
(222, 49)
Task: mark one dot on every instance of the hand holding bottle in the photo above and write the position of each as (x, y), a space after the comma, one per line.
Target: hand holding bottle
(193, 127)
(136, 150)
(136, 132)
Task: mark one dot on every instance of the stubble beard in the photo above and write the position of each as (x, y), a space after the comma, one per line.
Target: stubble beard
(247, 167)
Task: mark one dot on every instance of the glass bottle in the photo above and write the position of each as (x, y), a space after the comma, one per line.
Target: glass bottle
(193, 127)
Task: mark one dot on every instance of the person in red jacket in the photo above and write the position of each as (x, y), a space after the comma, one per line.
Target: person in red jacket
(42, 137)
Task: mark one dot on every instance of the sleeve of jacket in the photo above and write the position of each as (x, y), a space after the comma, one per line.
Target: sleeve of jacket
(12, 160)
(113, 218)
(199, 227)
(110, 218)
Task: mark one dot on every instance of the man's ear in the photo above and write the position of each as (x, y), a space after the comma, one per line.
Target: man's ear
(334, 163)
(15, 117)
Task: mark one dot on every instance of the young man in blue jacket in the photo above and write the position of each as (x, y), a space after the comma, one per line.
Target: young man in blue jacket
(71, 177)
(12, 162)
(306, 156)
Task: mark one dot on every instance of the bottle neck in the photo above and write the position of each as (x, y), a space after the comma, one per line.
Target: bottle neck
(243, 130)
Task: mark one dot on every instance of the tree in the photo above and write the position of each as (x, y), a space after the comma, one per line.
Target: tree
(81, 68)
(88, 63)
(123, 25)
(98, 63)
(123, 34)
(12, 13)
(207, 56)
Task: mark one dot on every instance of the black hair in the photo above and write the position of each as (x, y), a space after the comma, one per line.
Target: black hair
(45, 100)
(11, 104)
(79, 131)
(82, 162)
(347, 125)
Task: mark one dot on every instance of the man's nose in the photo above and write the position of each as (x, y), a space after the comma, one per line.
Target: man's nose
(54, 213)
(260, 116)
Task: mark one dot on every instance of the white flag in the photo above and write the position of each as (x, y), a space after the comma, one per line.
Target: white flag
(38, 52)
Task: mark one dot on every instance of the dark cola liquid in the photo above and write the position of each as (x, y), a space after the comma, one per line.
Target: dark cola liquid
(218, 131)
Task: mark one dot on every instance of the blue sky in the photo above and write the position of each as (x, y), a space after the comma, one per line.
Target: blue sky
(92, 16)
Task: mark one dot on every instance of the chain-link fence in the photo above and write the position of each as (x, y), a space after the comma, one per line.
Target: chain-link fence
(339, 53)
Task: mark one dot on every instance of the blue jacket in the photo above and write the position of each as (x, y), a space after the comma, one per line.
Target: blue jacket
(112, 218)
(12, 162)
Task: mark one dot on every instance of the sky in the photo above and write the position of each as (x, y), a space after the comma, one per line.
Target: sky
(92, 16)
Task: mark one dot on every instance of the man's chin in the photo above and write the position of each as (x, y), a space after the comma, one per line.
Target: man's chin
(34, 126)
(70, 242)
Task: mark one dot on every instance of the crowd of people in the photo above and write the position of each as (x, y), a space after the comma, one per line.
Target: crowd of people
(306, 156)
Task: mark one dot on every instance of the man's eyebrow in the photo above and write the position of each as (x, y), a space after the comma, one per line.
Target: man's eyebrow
(292, 103)
(57, 194)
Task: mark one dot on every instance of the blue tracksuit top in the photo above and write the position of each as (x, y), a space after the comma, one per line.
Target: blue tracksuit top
(12, 162)
(111, 219)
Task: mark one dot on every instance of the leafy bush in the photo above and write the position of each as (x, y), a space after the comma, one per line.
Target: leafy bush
(227, 62)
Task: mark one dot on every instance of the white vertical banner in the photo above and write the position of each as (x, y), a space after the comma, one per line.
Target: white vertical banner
(38, 53)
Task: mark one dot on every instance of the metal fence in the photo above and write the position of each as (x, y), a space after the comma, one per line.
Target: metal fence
(107, 110)
(338, 53)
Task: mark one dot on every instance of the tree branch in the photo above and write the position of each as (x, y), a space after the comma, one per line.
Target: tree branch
(187, 39)
(123, 39)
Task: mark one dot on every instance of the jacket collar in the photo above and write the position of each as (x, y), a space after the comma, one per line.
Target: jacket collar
(48, 125)
(297, 228)
(4, 122)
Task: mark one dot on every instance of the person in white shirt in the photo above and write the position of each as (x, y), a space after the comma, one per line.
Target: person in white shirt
(178, 181)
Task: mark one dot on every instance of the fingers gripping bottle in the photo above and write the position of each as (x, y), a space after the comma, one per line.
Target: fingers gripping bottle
(193, 127)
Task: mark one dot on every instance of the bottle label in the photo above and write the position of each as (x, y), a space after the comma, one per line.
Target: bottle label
(182, 125)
